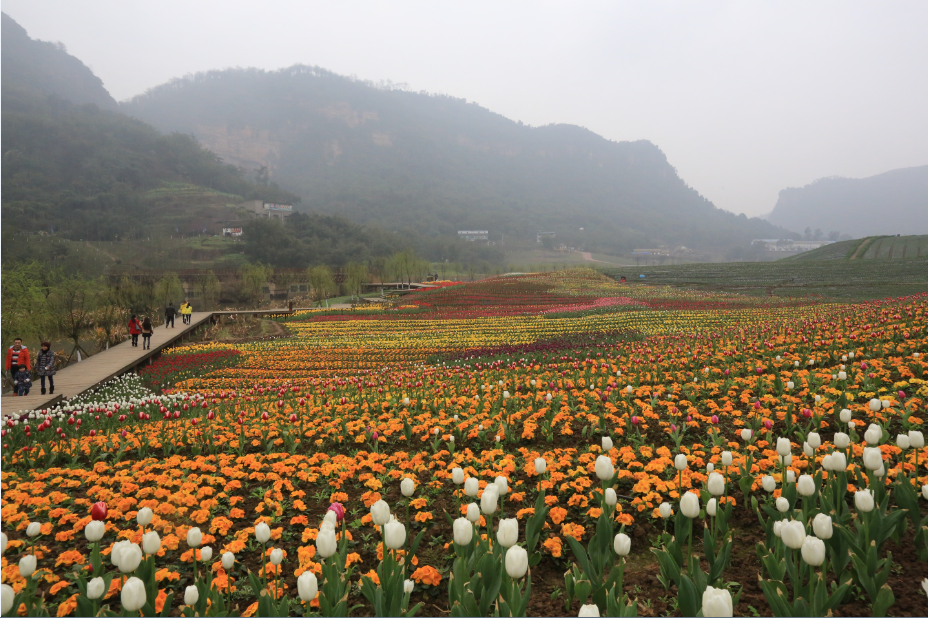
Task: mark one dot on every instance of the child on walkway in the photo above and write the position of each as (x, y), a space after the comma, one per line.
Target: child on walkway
(22, 381)
(147, 330)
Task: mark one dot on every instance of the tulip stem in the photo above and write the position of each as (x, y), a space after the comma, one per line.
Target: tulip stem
(406, 557)
(689, 550)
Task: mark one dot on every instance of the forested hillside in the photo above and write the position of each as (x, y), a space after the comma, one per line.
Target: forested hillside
(895, 202)
(413, 161)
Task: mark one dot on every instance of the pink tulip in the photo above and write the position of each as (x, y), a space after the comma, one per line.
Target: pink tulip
(339, 510)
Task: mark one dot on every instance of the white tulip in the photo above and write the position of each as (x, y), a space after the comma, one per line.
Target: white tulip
(807, 450)
(191, 595)
(326, 543)
(6, 598)
(590, 610)
(845, 415)
(806, 485)
(502, 485)
(94, 589)
(783, 447)
(407, 487)
(875, 405)
(716, 484)
(133, 595)
(457, 476)
(3, 541)
(277, 556)
(665, 510)
(473, 512)
(33, 529)
(823, 527)
(769, 483)
(746, 434)
(540, 465)
(471, 487)
(380, 512)
(842, 440)
(228, 560)
(151, 543)
(790, 476)
(710, 467)
(813, 551)
(902, 441)
(27, 565)
(508, 532)
(925, 492)
(778, 528)
(622, 544)
(394, 534)
(409, 585)
(307, 586)
(873, 458)
(711, 507)
(782, 504)
(611, 497)
(144, 516)
(717, 602)
(838, 462)
(194, 537)
(863, 500)
(916, 439)
(463, 531)
(94, 531)
(489, 498)
(689, 505)
(814, 439)
(607, 444)
(604, 468)
(726, 458)
(873, 434)
(130, 558)
(793, 534)
(206, 553)
(679, 462)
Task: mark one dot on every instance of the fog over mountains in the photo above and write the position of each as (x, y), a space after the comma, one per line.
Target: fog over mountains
(895, 202)
(437, 164)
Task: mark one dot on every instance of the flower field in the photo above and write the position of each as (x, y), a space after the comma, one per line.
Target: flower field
(554, 444)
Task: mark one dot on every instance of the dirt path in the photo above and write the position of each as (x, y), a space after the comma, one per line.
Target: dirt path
(589, 257)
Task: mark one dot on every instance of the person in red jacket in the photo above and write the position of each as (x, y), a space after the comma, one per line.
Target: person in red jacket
(17, 354)
(135, 329)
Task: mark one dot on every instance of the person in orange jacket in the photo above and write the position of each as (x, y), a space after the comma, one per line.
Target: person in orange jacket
(17, 354)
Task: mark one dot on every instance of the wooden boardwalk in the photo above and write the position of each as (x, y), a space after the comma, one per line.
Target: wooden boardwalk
(80, 377)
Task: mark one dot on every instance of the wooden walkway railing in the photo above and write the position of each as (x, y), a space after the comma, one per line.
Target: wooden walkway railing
(85, 375)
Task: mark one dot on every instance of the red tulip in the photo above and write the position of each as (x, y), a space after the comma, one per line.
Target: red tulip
(98, 511)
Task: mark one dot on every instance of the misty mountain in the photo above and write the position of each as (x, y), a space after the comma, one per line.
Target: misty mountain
(45, 68)
(437, 164)
(895, 202)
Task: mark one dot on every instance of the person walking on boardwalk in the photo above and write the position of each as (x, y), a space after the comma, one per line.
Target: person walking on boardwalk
(45, 366)
(186, 310)
(169, 313)
(22, 381)
(147, 330)
(16, 355)
(135, 329)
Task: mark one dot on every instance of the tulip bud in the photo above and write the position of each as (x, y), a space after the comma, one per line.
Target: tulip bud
(665, 510)
(806, 485)
(716, 484)
(726, 458)
(144, 516)
(790, 475)
(228, 560)
(711, 507)
(838, 462)
(842, 440)
(746, 434)
(463, 531)
(875, 405)
(689, 505)
(590, 611)
(471, 487)
(516, 562)
(604, 468)
(191, 595)
(622, 544)
(151, 543)
(27, 565)
(793, 534)
(33, 529)
(94, 589)
(98, 511)
(307, 586)
(863, 500)
(710, 467)
(873, 434)
(380, 512)
(488, 499)
(473, 512)
(916, 439)
(508, 532)
(3, 541)
(407, 487)
(206, 553)
(325, 543)
(679, 462)
(790, 385)
(778, 528)
(457, 476)
(277, 556)
(716, 602)
(782, 504)
(822, 526)
(814, 439)
(409, 585)
(394, 534)
(194, 537)
(607, 443)
(813, 551)
(783, 447)
(845, 415)
(902, 441)
(807, 450)
(133, 595)
(611, 497)
(94, 531)
(130, 558)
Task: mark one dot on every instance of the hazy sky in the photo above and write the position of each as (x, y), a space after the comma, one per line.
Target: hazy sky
(745, 98)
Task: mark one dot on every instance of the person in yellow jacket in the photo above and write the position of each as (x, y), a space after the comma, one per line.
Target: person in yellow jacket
(186, 310)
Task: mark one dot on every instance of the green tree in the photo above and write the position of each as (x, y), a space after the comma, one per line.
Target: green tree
(209, 288)
(168, 290)
(73, 302)
(321, 282)
(254, 280)
(356, 275)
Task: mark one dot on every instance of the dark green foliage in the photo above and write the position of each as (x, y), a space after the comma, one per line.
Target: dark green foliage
(435, 164)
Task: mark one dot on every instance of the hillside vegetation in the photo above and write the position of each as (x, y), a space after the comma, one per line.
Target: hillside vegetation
(895, 202)
(869, 248)
(437, 164)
